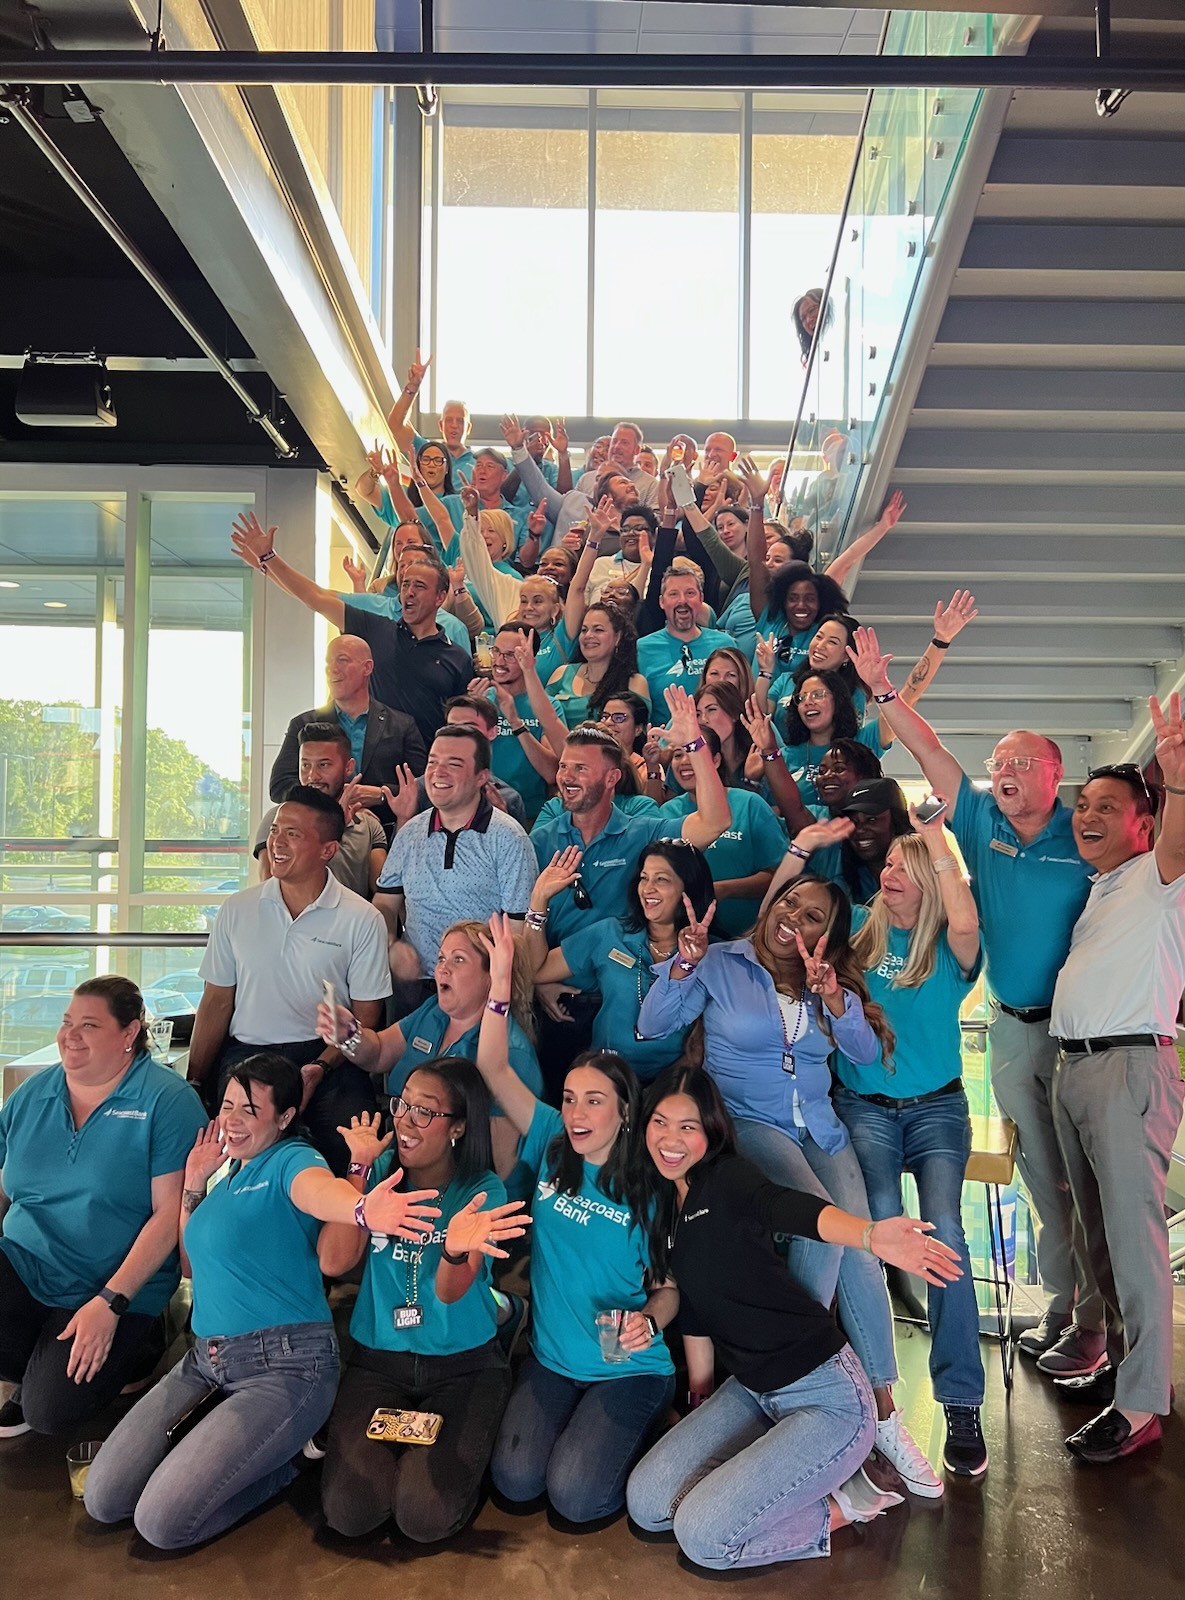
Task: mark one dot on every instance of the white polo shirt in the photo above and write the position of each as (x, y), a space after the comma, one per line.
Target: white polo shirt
(276, 963)
(1126, 968)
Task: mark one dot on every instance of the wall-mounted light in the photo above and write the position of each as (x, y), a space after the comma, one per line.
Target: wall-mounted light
(64, 391)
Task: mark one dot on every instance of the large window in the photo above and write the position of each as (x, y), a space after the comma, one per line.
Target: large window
(624, 252)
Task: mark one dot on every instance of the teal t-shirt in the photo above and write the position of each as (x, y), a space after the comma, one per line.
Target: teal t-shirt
(399, 1273)
(828, 863)
(738, 621)
(781, 694)
(803, 760)
(605, 957)
(253, 1253)
(666, 662)
(588, 1254)
(754, 841)
(928, 1051)
(388, 604)
(555, 651)
(510, 761)
(80, 1196)
(792, 647)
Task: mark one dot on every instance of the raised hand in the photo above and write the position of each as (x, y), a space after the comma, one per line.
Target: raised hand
(750, 474)
(352, 799)
(559, 874)
(693, 939)
(404, 798)
(205, 1158)
(417, 371)
(250, 539)
(818, 835)
(931, 829)
(363, 1137)
(951, 619)
(456, 576)
(470, 500)
(573, 540)
(524, 653)
(655, 752)
(872, 668)
(512, 431)
(478, 685)
(645, 549)
(684, 722)
(1170, 740)
(603, 516)
(499, 945)
(381, 460)
(767, 652)
(356, 572)
(405, 1216)
(537, 520)
(895, 507)
(906, 1243)
(820, 974)
(472, 1229)
(559, 436)
(759, 725)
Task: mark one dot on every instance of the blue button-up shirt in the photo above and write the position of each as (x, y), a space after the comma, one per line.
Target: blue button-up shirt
(745, 1041)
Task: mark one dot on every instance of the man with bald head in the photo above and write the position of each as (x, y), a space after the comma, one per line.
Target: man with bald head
(1030, 885)
(381, 740)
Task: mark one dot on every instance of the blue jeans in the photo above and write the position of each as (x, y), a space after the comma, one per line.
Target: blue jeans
(932, 1141)
(577, 1441)
(279, 1383)
(744, 1479)
(827, 1271)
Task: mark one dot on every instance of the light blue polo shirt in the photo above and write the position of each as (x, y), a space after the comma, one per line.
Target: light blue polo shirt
(929, 1051)
(605, 957)
(388, 604)
(1029, 895)
(667, 663)
(253, 1253)
(754, 841)
(399, 1273)
(606, 870)
(803, 760)
(509, 760)
(588, 1254)
(79, 1197)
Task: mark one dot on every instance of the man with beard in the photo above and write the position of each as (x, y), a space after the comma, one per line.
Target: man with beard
(674, 657)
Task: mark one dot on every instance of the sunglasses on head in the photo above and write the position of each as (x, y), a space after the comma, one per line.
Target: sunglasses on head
(1126, 772)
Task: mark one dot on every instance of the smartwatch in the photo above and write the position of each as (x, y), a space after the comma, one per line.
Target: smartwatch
(651, 1324)
(117, 1302)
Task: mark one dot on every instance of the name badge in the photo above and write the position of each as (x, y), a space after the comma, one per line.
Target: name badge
(422, 1045)
(622, 959)
(1003, 848)
(408, 1317)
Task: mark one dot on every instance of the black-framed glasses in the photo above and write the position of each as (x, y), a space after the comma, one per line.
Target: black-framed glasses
(580, 893)
(419, 1116)
(1126, 772)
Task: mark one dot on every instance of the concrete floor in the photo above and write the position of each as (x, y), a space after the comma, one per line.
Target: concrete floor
(1037, 1528)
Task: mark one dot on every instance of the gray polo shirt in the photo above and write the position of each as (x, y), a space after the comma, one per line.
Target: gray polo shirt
(448, 877)
(276, 963)
(351, 865)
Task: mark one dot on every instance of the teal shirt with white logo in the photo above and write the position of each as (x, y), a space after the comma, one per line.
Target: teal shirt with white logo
(605, 957)
(1029, 895)
(555, 651)
(792, 647)
(510, 762)
(588, 1254)
(606, 868)
(667, 662)
(253, 1252)
(80, 1196)
(928, 1051)
(802, 760)
(754, 841)
(399, 1273)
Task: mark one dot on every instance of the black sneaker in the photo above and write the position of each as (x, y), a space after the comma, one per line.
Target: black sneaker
(964, 1453)
(12, 1419)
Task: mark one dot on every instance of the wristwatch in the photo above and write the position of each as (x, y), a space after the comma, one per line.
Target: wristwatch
(651, 1324)
(116, 1301)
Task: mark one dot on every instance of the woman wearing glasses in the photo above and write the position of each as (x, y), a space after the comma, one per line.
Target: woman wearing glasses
(774, 1008)
(614, 956)
(587, 1401)
(424, 1324)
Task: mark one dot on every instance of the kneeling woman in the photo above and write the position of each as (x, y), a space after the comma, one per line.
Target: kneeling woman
(424, 1322)
(770, 1465)
(576, 1423)
(263, 1370)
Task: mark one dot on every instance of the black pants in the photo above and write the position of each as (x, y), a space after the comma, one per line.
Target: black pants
(559, 1042)
(430, 1490)
(31, 1355)
(344, 1092)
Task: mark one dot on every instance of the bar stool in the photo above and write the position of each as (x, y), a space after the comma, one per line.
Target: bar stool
(991, 1162)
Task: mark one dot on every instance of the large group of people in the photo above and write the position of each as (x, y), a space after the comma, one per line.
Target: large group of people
(597, 993)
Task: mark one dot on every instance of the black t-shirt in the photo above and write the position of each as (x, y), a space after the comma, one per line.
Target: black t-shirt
(734, 1287)
(412, 675)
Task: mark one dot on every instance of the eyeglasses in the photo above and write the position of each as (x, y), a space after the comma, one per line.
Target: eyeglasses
(419, 1116)
(1126, 772)
(811, 696)
(501, 655)
(996, 764)
(580, 893)
(615, 717)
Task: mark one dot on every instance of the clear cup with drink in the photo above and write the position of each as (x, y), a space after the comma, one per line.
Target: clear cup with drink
(609, 1333)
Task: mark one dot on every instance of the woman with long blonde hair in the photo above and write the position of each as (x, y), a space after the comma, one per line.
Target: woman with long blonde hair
(906, 1111)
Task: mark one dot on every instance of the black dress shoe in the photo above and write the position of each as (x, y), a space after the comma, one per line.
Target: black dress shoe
(1097, 1388)
(1108, 1437)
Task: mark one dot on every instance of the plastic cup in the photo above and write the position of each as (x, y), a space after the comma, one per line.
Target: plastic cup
(609, 1333)
(162, 1038)
(78, 1464)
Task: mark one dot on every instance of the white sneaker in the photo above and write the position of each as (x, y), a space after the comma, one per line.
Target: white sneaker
(902, 1451)
(860, 1500)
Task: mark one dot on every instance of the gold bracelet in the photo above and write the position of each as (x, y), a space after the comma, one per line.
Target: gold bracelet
(866, 1238)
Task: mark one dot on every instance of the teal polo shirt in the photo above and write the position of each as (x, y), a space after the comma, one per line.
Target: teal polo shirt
(465, 462)
(667, 662)
(754, 841)
(253, 1252)
(388, 604)
(509, 760)
(354, 729)
(399, 1273)
(1029, 895)
(605, 958)
(630, 805)
(606, 870)
(80, 1196)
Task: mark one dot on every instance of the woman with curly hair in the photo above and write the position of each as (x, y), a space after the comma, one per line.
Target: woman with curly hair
(606, 663)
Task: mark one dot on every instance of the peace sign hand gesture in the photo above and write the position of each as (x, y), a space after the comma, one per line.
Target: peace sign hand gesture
(820, 974)
(1170, 740)
(693, 939)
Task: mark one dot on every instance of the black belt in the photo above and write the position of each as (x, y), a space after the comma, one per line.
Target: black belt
(1027, 1013)
(953, 1087)
(1116, 1041)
